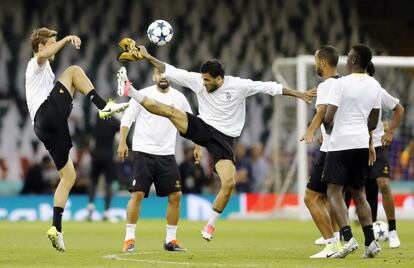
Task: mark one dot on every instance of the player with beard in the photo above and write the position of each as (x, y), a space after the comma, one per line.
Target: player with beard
(153, 145)
(326, 61)
(222, 112)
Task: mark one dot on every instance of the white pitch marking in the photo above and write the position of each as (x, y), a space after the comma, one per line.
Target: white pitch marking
(121, 257)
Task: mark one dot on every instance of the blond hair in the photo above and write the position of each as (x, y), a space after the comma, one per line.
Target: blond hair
(40, 36)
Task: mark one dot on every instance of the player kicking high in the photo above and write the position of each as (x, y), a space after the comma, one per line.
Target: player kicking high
(154, 148)
(354, 103)
(326, 60)
(222, 111)
(50, 106)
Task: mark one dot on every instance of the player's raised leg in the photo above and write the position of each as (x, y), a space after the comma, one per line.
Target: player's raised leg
(176, 116)
(74, 78)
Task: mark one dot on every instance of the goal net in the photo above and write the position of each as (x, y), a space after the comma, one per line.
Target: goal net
(292, 160)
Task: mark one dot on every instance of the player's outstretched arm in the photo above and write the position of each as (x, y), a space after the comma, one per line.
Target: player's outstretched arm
(306, 96)
(49, 51)
(398, 114)
(315, 124)
(154, 61)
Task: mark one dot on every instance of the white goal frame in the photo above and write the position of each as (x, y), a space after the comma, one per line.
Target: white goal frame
(302, 62)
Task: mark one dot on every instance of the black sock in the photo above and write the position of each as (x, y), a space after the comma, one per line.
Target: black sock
(57, 218)
(346, 232)
(369, 234)
(371, 191)
(96, 99)
(392, 225)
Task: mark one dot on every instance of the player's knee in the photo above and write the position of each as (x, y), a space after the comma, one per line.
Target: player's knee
(75, 69)
(383, 184)
(309, 199)
(137, 196)
(358, 197)
(175, 198)
(69, 178)
(228, 185)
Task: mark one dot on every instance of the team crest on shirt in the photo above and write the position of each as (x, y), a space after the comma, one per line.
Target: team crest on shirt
(386, 170)
(177, 184)
(228, 95)
(61, 91)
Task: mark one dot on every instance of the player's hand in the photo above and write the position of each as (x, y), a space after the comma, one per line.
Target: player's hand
(308, 138)
(143, 51)
(74, 40)
(387, 139)
(307, 96)
(197, 154)
(372, 156)
(320, 139)
(122, 151)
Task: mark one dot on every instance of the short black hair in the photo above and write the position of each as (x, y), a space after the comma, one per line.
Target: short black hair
(371, 69)
(330, 54)
(213, 67)
(363, 54)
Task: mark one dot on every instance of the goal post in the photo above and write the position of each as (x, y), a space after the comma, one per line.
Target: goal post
(302, 65)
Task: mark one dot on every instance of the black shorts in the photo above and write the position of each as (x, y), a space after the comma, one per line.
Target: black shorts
(162, 170)
(381, 167)
(219, 145)
(107, 167)
(51, 124)
(315, 182)
(347, 167)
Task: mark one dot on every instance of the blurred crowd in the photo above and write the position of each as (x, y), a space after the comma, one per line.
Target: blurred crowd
(246, 35)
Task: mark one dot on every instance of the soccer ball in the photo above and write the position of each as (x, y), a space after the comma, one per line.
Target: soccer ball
(160, 32)
(380, 230)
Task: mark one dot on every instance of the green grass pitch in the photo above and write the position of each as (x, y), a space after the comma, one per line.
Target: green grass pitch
(272, 243)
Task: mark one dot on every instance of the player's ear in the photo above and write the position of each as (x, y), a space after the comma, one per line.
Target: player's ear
(353, 60)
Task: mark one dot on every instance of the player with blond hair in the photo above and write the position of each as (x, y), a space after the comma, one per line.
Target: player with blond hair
(50, 104)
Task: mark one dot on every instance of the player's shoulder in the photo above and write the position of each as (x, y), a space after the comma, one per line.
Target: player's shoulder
(32, 63)
(229, 79)
(327, 83)
(177, 93)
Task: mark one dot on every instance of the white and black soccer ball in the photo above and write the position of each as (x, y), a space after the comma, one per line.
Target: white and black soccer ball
(380, 230)
(160, 32)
